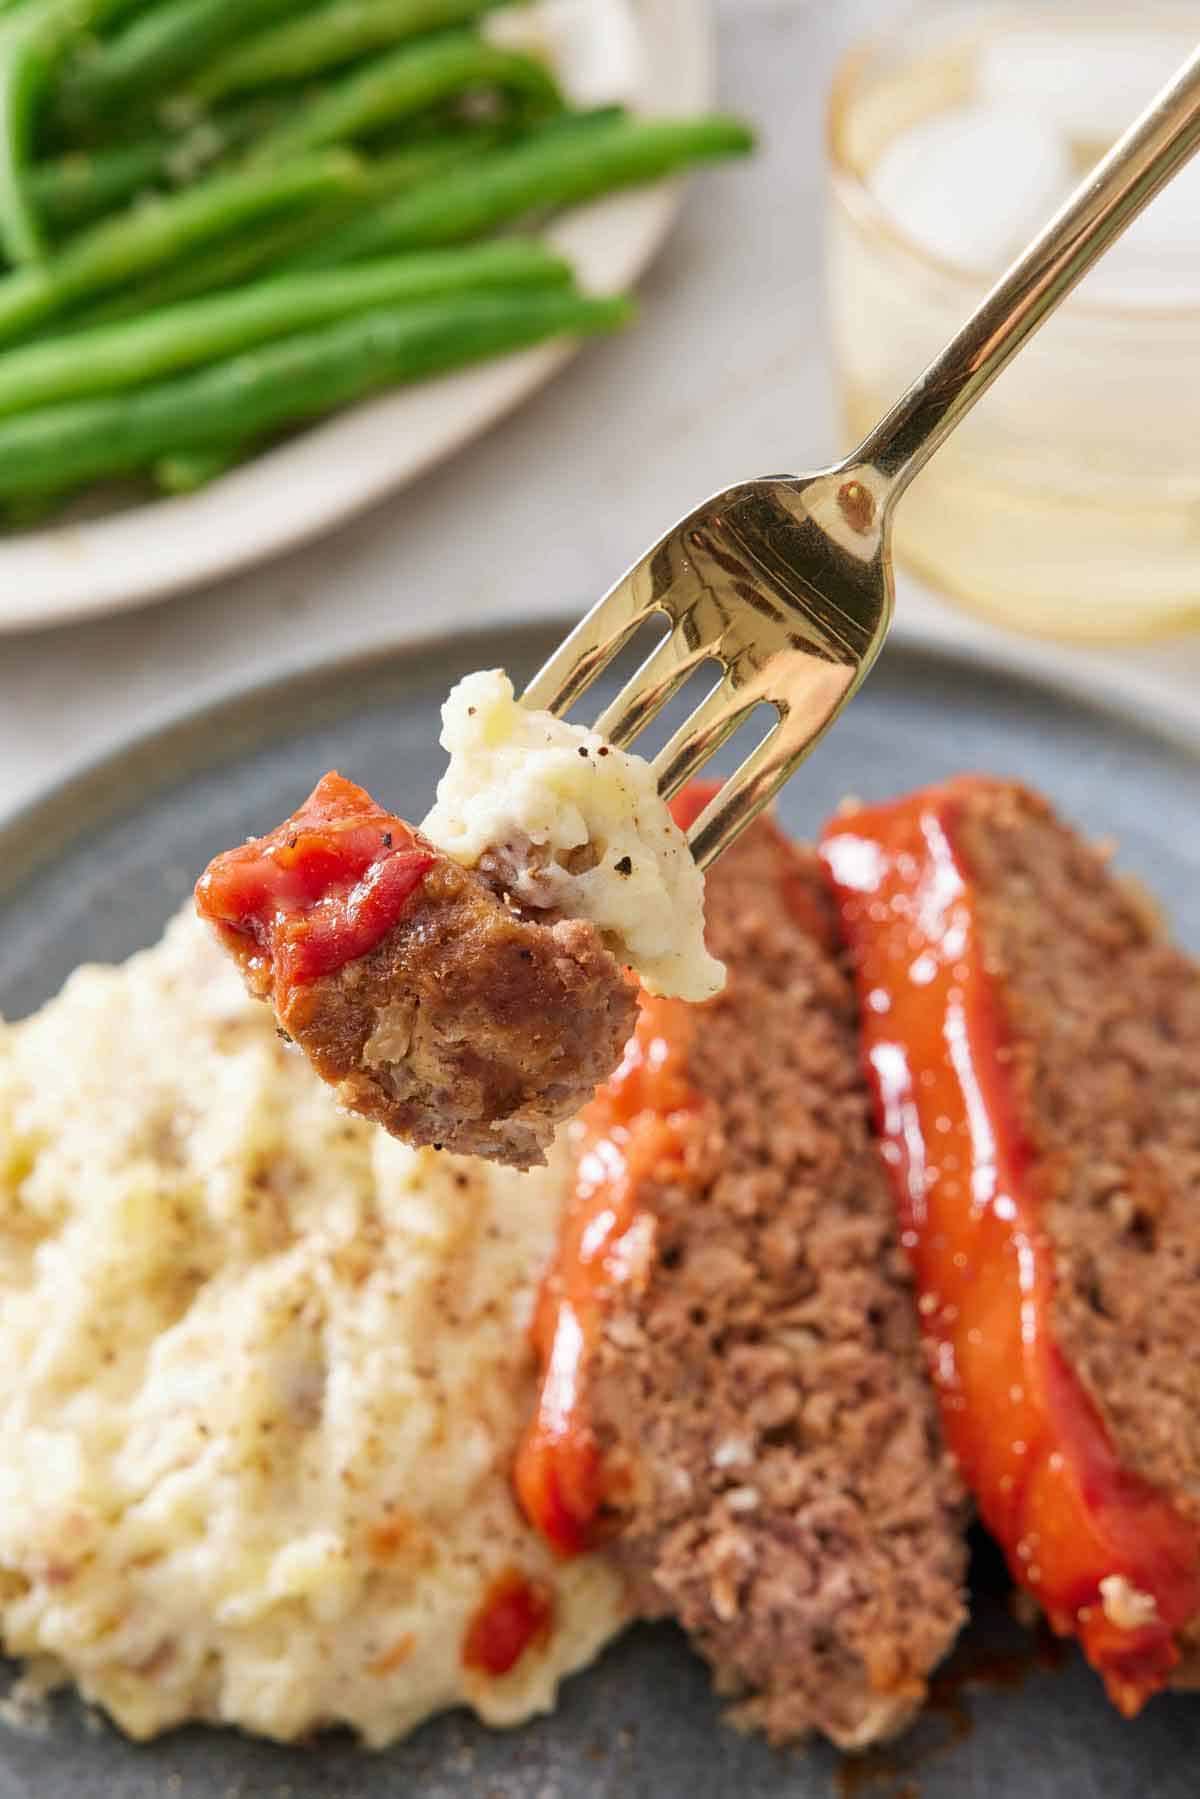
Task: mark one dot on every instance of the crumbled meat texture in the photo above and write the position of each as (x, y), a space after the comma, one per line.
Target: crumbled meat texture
(527, 873)
(1104, 1016)
(468, 1027)
(794, 1505)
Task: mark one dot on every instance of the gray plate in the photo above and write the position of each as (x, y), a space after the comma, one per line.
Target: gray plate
(93, 872)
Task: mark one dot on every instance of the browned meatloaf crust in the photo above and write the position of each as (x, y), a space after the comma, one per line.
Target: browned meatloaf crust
(413, 986)
(795, 1508)
(1105, 1019)
(468, 1027)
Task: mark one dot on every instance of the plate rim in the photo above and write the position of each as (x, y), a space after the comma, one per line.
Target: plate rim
(123, 560)
(232, 715)
(111, 773)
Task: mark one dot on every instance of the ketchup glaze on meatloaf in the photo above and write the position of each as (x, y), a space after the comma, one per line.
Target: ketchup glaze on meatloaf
(733, 1397)
(1034, 1041)
(429, 1003)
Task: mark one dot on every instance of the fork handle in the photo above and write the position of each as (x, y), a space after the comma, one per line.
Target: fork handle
(1155, 148)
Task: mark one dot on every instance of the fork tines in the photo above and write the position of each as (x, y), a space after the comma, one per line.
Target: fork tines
(732, 601)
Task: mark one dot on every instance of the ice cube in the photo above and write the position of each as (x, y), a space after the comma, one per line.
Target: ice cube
(1087, 84)
(972, 185)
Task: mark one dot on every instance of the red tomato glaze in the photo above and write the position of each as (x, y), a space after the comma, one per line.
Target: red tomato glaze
(516, 1614)
(639, 1127)
(1026, 1434)
(323, 889)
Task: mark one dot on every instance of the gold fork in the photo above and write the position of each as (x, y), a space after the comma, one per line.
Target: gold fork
(786, 582)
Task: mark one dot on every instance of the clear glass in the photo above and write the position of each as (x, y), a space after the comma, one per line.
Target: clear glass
(1068, 503)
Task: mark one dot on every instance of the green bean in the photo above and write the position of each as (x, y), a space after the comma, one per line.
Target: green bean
(29, 36)
(184, 471)
(283, 383)
(274, 249)
(145, 237)
(245, 256)
(324, 38)
(553, 168)
(157, 48)
(81, 184)
(565, 123)
(406, 82)
(250, 254)
(32, 40)
(23, 66)
(198, 331)
(77, 186)
(25, 512)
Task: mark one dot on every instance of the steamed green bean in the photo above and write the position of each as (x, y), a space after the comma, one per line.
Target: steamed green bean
(298, 378)
(77, 186)
(185, 471)
(22, 67)
(222, 218)
(33, 38)
(548, 170)
(81, 184)
(147, 236)
(324, 38)
(112, 357)
(263, 247)
(405, 83)
(158, 47)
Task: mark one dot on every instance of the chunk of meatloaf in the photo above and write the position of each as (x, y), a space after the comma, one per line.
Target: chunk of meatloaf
(756, 1391)
(1033, 1046)
(430, 1005)
(1104, 1017)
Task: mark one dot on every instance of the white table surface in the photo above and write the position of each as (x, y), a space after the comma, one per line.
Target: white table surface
(726, 376)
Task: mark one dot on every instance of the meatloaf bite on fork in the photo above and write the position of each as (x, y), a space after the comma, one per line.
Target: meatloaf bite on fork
(733, 1394)
(1034, 1039)
(429, 1002)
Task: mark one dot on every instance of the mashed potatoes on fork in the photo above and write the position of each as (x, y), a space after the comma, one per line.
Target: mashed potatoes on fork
(262, 1374)
(573, 825)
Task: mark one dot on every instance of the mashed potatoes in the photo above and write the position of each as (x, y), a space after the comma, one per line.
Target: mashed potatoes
(578, 827)
(262, 1372)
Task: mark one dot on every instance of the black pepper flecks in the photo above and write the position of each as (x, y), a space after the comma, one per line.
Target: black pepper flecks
(387, 840)
(624, 866)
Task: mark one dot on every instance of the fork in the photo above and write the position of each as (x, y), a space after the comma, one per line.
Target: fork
(786, 583)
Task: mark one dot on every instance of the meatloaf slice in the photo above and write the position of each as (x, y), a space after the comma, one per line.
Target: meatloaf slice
(1104, 1015)
(430, 1005)
(1034, 1041)
(765, 1441)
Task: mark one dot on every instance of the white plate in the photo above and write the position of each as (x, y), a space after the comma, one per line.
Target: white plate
(314, 481)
